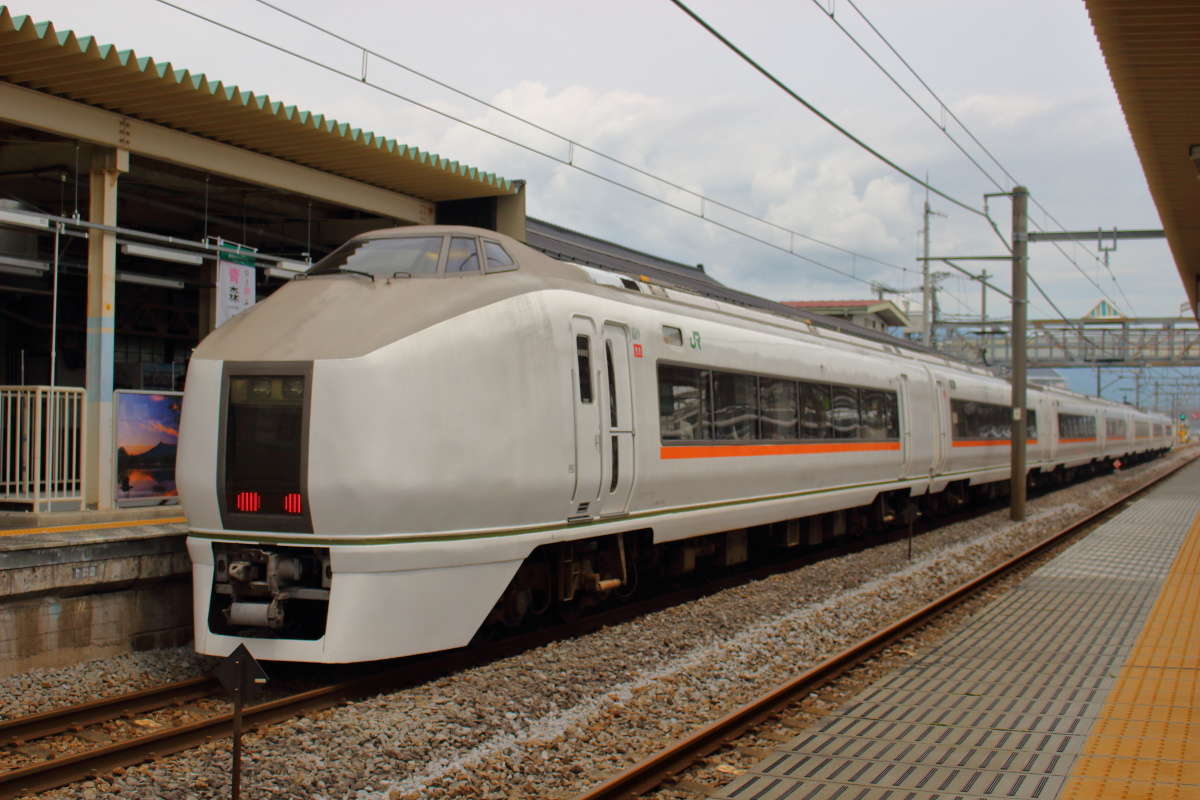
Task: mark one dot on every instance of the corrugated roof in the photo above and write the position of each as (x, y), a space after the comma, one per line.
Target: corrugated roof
(888, 311)
(37, 56)
(1152, 48)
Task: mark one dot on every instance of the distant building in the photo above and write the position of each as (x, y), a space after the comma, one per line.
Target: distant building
(876, 315)
(1047, 377)
(1104, 310)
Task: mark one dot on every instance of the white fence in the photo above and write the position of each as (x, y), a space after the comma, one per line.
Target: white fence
(41, 433)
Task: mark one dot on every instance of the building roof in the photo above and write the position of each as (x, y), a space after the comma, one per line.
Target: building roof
(37, 56)
(888, 311)
(568, 245)
(1151, 50)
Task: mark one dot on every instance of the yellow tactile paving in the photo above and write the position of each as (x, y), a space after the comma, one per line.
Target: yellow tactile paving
(92, 526)
(1146, 742)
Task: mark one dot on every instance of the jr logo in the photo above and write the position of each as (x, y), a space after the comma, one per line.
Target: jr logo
(695, 340)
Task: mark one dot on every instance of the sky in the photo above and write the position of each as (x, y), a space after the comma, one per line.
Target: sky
(638, 80)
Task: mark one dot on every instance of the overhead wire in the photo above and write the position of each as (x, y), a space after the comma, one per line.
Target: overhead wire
(786, 89)
(577, 145)
(704, 200)
(992, 223)
(947, 110)
(862, 48)
(821, 115)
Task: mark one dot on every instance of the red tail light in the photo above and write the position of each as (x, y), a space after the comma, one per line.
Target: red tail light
(248, 501)
(292, 503)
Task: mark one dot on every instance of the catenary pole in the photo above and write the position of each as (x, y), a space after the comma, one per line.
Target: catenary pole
(926, 316)
(983, 278)
(1020, 250)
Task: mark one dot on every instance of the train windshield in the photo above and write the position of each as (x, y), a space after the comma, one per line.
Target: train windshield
(264, 444)
(404, 257)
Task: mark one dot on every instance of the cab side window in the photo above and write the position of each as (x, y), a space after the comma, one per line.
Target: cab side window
(497, 258)
(463, 256)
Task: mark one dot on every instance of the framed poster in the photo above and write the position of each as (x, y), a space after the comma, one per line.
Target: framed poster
(147, 433)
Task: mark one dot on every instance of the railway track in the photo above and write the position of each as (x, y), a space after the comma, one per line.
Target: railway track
(670, 763)
(85, 764)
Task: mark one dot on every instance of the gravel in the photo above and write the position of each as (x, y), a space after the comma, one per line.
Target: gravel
(551, 722)
(26, 693)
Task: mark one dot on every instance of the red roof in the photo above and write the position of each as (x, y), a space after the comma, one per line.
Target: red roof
(829, 303)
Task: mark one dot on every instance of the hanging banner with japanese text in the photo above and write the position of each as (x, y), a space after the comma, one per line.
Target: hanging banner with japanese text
(235, 289)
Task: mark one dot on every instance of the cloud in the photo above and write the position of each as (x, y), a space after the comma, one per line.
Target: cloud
(1002, 111)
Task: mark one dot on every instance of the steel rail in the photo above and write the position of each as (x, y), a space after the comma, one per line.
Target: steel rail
(682, 754)
(91, 763)
(26, 729)
(88, 764)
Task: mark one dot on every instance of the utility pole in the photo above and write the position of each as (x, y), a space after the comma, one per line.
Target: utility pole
(983, 276)
(1020, 256)
(927, 278)
(926, 316)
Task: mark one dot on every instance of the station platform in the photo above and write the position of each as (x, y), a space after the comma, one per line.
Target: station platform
(92, 585)
(1083, 682)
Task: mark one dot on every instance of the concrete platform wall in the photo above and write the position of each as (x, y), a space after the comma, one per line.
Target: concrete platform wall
(65, 602)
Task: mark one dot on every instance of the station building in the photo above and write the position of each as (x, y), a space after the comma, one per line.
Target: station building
(125, 182)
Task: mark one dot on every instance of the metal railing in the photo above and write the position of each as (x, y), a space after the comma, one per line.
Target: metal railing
(41, 436)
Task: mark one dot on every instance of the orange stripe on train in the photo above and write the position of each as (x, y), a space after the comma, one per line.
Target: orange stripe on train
(987, 442)
(739, 450)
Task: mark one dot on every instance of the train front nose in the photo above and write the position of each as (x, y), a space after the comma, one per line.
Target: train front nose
(266, 590)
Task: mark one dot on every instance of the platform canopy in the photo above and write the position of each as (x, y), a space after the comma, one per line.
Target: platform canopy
(36, 56)
(1152, 48)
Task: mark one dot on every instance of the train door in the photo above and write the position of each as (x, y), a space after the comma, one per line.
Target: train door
(616, 480)
(943, 420)
(1052, 430)
(906, 423)
(585, 379)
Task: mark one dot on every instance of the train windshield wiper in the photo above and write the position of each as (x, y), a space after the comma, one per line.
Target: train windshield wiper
(370, 275)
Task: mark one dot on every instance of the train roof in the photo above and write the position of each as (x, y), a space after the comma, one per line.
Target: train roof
(568, 245)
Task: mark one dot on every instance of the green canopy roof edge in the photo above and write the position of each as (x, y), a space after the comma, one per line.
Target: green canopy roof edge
(87, 46)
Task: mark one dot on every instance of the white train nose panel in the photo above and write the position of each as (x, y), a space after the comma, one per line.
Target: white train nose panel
(372, 615)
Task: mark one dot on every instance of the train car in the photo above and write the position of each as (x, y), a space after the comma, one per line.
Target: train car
(439, 427)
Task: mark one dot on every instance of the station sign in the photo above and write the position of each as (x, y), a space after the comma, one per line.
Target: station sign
(235, 281)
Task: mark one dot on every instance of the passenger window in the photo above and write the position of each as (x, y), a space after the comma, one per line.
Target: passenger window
(612, 384)
(735, 406)
(683, 406)
(777, 404)
(498, 259)
(616, 465)
(815, 406)
(583, 357)
(879, 415)
(463, 256)
(845, 412)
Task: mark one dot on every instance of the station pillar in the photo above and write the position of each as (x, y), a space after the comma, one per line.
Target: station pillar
(99, 458)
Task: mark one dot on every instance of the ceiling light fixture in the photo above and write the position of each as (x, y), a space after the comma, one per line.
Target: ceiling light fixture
(161, 253)
(149, 280)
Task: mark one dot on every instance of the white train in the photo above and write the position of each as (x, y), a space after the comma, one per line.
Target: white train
(441, 426)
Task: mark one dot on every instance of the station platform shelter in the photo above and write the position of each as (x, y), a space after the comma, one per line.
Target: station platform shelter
(125, 183)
